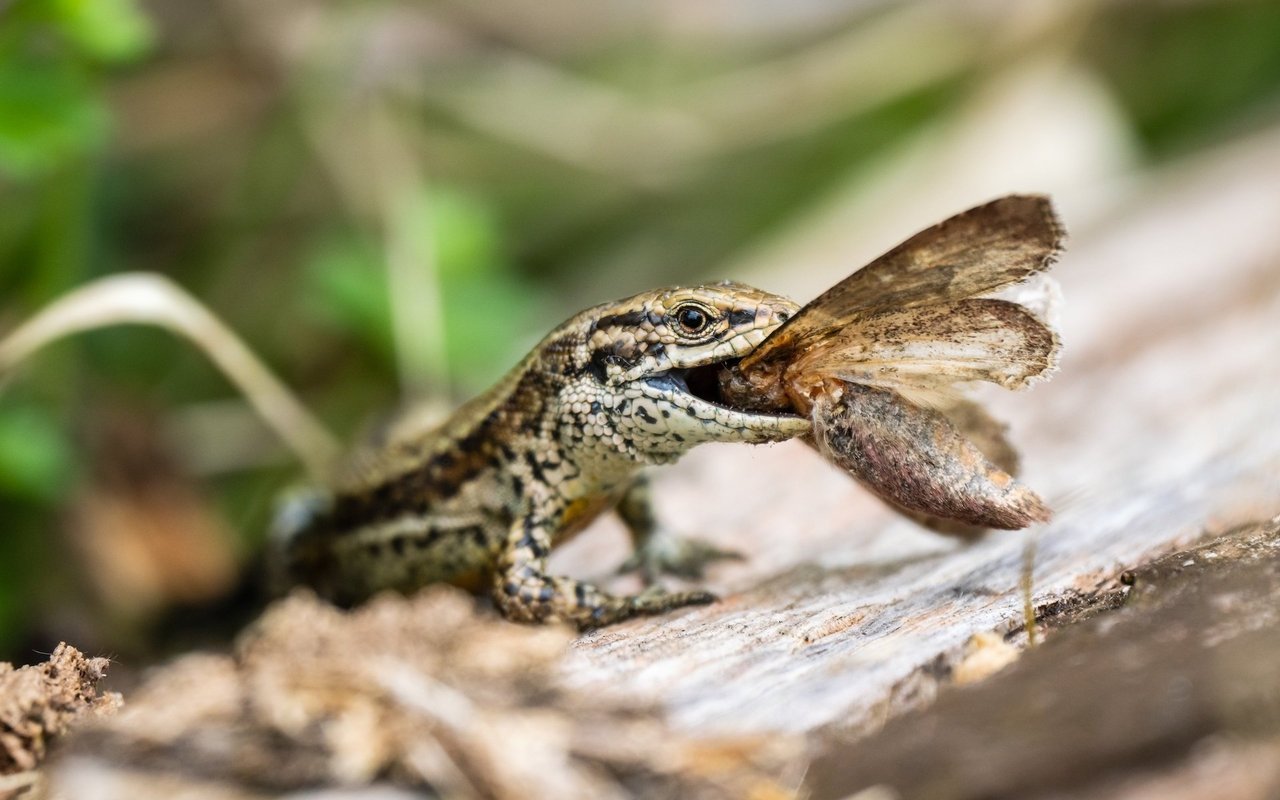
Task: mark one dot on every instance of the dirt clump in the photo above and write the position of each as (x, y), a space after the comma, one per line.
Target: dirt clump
(42, 702)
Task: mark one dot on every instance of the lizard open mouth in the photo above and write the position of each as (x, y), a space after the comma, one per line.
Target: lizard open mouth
(685, 406)
(703, 383)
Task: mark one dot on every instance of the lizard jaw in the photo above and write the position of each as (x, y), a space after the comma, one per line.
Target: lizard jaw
(695, 392)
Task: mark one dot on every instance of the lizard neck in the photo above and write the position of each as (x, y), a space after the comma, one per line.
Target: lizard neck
(508, 438)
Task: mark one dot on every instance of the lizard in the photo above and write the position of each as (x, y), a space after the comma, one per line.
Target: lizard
(480, 500)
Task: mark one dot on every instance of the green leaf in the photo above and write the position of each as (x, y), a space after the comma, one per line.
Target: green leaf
(486, 305)
(1189, 72)
(348, 288)
(466, 233)
(47, 114)
(107, 30)
(485, 316)
(35, 457)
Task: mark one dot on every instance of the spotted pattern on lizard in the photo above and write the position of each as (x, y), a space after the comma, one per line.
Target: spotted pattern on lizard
(481, 500)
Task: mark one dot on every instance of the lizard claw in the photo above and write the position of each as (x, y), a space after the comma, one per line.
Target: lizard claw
(655, 600)
(667, 554)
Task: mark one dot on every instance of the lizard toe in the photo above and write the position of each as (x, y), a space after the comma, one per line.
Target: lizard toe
(667, 554)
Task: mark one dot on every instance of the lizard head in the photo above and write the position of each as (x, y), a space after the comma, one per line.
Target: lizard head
(659, 352)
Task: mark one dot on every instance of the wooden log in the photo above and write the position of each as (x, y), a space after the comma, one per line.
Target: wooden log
(1163, 425)
(1171, 696)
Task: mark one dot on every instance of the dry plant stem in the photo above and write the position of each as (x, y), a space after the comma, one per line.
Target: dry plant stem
(149, 299)
(1027, 586)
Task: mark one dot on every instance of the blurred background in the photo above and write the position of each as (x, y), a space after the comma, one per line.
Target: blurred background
(395, 200)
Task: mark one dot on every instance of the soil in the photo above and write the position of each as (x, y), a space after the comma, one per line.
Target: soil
(39, 704)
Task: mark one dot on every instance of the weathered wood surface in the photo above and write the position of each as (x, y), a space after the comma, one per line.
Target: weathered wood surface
(1170, 696)
(1163, 424)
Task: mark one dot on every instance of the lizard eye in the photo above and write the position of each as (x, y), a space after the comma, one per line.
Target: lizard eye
(692, 319)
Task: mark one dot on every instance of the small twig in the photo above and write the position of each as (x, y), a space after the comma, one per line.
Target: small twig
(1027, 584)
(145, 298)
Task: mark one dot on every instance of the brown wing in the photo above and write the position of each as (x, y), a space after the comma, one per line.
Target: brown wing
(988, 434)
(973, 253)
(974, 426)
(985, 431)
(915, 459)
(933, 347)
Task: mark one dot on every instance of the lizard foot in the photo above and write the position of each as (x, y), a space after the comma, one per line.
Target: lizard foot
(669, 554)
(533, 597)
(653, 600)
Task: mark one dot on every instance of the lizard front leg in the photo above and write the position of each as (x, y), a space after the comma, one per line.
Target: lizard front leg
(657, 550)
(524, 592)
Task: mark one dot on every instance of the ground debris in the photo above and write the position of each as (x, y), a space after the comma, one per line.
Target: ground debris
(42, 702)
(985, 655)
(403, 697)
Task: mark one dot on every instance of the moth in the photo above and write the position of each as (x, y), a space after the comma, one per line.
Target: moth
(879, 361)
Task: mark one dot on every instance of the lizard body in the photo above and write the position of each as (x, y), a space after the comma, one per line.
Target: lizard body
(481, 500)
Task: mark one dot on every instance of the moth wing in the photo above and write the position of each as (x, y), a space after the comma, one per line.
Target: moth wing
(977, 427)
(1039, 294)
(985, 431)
(914, 458)
(932, 347)
(972, 253)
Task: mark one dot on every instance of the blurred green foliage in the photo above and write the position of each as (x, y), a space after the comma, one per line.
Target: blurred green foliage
(52, 53)
(55, 61)
(485, 303)
(35, 455)
(224, 148)
(1191, 71)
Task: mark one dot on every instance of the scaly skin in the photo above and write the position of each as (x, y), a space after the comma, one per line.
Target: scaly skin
(481, 500)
